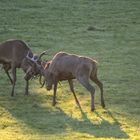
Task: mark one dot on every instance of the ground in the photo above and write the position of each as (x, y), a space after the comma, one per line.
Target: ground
(108, 31)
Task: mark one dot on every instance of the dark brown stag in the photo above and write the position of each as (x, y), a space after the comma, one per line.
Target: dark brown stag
(12, 56)
(66, 66)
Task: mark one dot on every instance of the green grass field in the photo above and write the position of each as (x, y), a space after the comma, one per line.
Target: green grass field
(64, 25)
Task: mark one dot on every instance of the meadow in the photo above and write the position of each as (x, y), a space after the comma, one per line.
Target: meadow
(107, 30)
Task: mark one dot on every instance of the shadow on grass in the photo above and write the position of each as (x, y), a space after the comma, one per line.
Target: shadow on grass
(53, 120)
(104, 129)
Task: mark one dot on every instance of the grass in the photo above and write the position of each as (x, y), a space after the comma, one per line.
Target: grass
(63, 26)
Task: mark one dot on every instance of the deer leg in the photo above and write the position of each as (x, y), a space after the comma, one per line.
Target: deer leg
(72, 90)
(100, 85)
(54, 94)
(101, 89)
(14, 80)
(85, 82)
(27, 87)
(9, 76)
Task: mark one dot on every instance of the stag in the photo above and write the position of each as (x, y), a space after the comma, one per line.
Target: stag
(12, 56)
(66, 66)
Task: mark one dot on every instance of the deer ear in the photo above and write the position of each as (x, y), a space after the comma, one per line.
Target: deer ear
(43, 63)
(47, 66)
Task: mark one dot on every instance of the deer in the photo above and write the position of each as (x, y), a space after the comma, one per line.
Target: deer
(65, 66)
(12, 56)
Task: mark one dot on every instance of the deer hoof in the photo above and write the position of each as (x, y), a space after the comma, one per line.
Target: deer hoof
(54, 103)
(103, 105)
(92, 109)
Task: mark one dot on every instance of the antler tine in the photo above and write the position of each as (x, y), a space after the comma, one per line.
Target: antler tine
(43, 53)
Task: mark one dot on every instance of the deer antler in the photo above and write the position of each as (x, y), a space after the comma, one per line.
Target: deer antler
(43, 53)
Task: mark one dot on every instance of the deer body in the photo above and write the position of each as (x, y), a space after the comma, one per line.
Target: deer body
(12, 54)
(65, 66)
